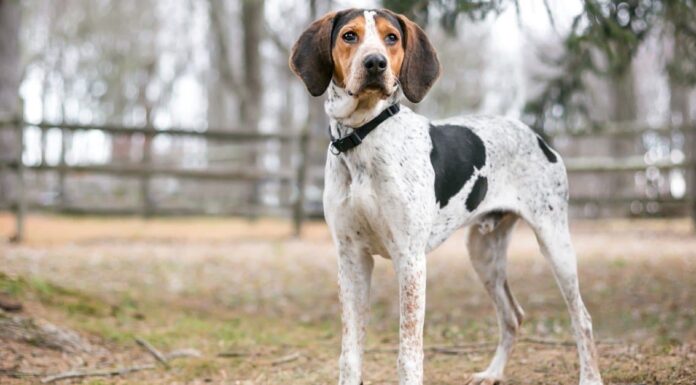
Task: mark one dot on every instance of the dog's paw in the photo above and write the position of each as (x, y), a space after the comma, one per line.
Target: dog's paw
(482, 379)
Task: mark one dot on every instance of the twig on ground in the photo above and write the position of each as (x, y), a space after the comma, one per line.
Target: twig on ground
(286, 359)
(452, 350)
(96, 373)
(478, 347)
(20, 374)
(544, 341)
(153, 351)
(182, 353)
(234, 354)
(162, 358)
(550, 342)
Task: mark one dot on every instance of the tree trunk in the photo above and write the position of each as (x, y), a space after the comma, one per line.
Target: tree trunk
(250, 105)
(680, 115)
(9, 91)
(624, 111)
(252, 25)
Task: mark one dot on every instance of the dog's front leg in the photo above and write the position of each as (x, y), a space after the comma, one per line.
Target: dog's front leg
(410, 270)
(354, 274)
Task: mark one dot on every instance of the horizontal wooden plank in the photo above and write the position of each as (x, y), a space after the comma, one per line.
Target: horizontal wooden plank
(211, 133)
(627, 200)
(241, 210)
(605, 130)
(140, 171)
(604, 164)
(8, 123)
(573, 166)
(8, 163)
(621, 129)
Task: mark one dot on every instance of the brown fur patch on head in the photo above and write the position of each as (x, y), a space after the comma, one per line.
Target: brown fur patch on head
(321, 53)
(342, 52)
(395, 52)
(357, 35)
(421, 67)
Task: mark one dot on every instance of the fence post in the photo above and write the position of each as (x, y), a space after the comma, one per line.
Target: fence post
(301, 180)
(21, 203)
(62, 163)
(691, 173)
(145, 196)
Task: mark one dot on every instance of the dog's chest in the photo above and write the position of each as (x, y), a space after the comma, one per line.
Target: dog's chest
(387, 193)
(368, 204)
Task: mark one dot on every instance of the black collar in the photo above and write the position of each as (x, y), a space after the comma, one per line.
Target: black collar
(356, 137)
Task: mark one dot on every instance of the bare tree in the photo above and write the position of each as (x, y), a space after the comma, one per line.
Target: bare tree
(239, 72)
(9, 87)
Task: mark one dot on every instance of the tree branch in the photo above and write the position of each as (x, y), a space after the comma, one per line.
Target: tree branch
(95, 373)
(153, 351)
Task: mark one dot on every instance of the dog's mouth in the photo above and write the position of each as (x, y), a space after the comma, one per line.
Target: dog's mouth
(375, 88)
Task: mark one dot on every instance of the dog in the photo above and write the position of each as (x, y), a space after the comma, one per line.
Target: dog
(398, 185)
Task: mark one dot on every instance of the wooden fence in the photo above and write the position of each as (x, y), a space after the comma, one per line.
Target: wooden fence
(145, 170)
(297, 177)
(629, 164)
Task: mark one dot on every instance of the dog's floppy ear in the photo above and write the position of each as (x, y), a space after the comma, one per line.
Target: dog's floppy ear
(420, 68)
(310, 58)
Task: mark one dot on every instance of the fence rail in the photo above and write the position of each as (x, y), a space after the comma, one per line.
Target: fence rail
(146, 170)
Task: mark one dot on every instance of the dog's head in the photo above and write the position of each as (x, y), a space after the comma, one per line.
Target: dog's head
(367, 53)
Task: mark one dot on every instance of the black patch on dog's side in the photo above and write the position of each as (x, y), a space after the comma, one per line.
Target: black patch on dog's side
(457, 152)
(478, 192)
(547, 151)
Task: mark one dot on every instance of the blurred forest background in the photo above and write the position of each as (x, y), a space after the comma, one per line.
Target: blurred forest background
(159, 107)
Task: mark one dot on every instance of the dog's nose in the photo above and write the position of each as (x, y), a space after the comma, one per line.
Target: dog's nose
(375, 64)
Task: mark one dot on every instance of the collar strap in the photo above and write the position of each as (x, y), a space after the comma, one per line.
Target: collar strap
(356, 137)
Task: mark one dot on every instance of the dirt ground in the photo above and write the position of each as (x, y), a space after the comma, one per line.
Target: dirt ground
(261, 307)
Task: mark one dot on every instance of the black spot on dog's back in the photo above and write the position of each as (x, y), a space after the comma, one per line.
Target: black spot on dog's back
(478, 192)
(457, 152)
(547, 151)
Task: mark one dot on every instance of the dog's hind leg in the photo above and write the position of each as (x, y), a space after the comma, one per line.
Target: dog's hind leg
(487, 249)
(554, 240)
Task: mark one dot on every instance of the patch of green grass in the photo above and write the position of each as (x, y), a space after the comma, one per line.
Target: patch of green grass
(197, 369)
(109, 329)
(11, 286)
(619, 263)
(97, 382)
(72, 301)
(183, 328)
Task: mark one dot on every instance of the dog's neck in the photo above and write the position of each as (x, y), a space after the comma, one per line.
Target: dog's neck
(348, 112)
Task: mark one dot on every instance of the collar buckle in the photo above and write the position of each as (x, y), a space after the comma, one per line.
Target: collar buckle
(356, 137)
(346, 143)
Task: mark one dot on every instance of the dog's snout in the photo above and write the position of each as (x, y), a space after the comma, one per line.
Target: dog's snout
(375, 64)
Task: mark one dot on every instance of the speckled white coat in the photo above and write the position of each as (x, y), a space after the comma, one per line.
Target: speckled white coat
(379, 199)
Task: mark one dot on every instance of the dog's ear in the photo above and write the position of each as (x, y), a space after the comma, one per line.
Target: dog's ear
(420, 68)
(310, 58)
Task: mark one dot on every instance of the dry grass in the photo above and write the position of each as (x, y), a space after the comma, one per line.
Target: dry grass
(248, 288)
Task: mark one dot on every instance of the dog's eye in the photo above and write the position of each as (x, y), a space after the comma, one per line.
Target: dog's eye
(350, 37)
(391, 39)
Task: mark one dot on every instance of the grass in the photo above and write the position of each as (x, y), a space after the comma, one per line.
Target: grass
(266, 297)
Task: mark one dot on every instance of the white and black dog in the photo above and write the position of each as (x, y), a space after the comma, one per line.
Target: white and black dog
(405, 188)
